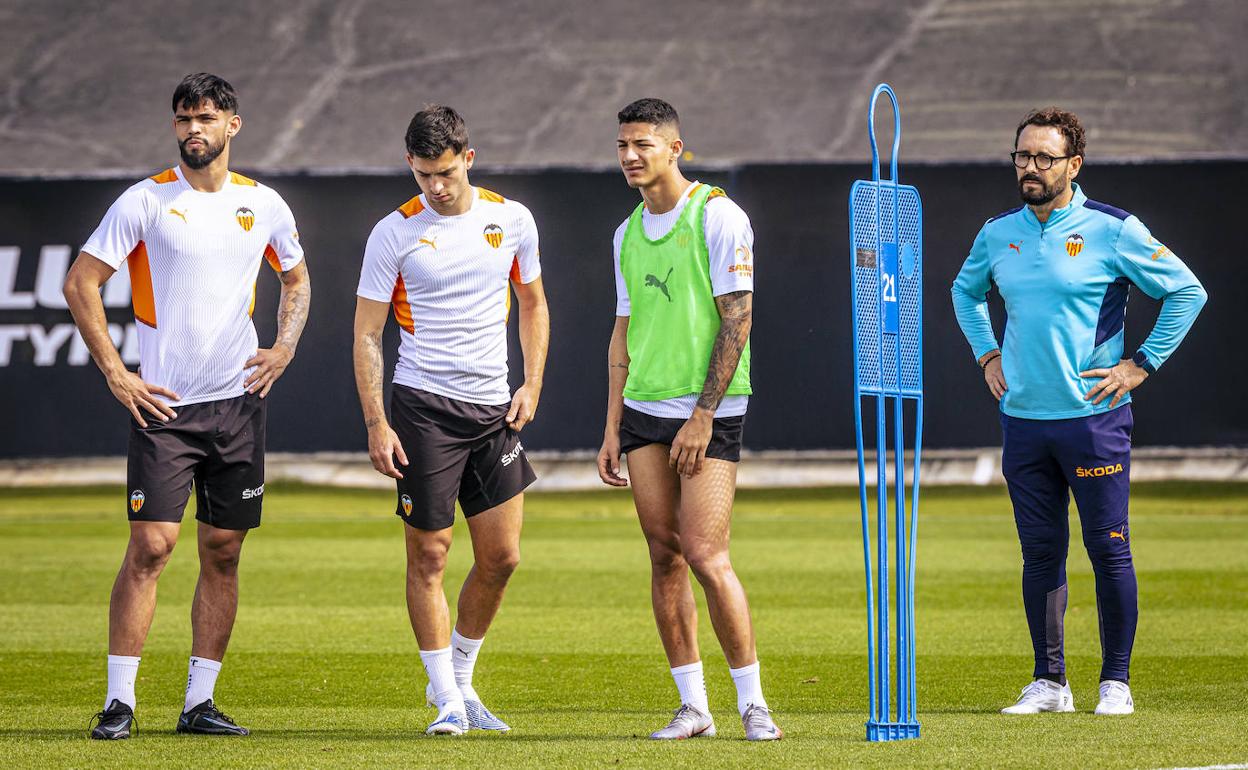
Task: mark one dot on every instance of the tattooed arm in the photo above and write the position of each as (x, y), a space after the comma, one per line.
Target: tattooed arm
(292, 314)
(735, 319)
(617, 375)
(383, 444)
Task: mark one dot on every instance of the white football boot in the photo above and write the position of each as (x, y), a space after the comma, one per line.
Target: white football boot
(687, 722)
(1115, 698)
(1043, 695)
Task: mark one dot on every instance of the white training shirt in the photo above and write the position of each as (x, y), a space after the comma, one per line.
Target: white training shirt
(194, 258)
(730, 247)
(448, 279)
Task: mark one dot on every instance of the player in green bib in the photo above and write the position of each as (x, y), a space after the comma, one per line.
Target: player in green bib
(679, 370)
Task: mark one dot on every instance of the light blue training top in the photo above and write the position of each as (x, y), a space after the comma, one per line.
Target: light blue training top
(1065, 285)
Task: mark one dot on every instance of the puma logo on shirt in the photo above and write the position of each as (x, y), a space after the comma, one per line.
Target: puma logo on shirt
(653, 280)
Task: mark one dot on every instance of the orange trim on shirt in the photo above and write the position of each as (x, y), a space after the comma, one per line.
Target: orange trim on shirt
(165, 177)
(489, 195)
(717, 192)
(238, 178)
(252, 307)
(411, 208)
(271, 257)
(402, 308)
(515, 269)
(141, 286)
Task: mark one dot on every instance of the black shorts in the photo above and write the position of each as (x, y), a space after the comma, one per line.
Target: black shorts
(216, 445)
(455, 450)
(638, 429)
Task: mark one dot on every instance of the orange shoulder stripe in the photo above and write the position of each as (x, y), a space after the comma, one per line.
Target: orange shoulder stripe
(717, 192)
(489, 195)
(164, 177)
(238, 178)
(411, 208)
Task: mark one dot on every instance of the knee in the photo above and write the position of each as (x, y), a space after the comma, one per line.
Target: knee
(499, 565)
(1107, 550)
(709, 566)
(1044, 553)
(147, 556)
(426, 565)
(666, 557)
(221, 557)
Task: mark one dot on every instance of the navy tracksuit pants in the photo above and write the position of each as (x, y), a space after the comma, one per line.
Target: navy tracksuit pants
(1043, 462)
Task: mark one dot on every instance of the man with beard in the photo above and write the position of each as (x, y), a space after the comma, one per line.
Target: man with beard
(194, 237)
(1064, 266)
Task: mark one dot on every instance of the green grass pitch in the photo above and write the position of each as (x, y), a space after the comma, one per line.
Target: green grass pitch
(323, 665)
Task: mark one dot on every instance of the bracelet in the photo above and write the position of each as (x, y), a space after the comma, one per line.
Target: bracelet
(984, 365)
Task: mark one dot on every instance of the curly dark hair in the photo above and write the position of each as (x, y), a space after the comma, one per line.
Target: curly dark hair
(656, 112)
(1063, 120)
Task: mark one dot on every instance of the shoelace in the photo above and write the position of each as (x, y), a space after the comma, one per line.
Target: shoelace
(1035, 688)
(757, 716)
(224, 717)
(216, 713)
(99, 717)
(454, 716)
(684, 714)
(1115, 689)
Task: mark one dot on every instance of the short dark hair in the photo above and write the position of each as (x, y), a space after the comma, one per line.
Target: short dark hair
(205, 87)
(1065, 121)
(656, 112)
(434, 130)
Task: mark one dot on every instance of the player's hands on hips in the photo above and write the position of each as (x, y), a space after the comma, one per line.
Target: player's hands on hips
(994, 376)
(269, 363)
(1125, 377)
(135, 394)
(384, 448)
(609, 461)
(524, 405)
(689, 446)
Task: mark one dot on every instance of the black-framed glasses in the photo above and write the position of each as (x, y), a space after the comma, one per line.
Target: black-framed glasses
(1044, 162)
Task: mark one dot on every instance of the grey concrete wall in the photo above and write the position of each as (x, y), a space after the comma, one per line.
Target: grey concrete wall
(85, 87)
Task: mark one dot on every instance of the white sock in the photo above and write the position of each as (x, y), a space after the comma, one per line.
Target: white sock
(442, 677)
(692, 686)
(122, 671)
(464, 659)
(749, 687)
(201, 678)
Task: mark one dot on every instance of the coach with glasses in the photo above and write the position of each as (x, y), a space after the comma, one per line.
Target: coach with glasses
(1064, 266)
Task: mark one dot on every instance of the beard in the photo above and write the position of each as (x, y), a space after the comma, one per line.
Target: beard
(202, 159)
(1046, 193)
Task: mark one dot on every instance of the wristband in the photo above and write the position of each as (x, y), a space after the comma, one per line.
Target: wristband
(984, 365)
(1140, 359)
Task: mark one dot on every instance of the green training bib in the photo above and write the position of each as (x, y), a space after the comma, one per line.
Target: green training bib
(674, 319)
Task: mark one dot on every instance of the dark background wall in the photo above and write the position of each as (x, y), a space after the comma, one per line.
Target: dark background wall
(801, 341)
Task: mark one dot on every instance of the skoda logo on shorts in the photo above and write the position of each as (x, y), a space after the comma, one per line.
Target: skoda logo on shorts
(407, 505)
(136, 500)
(511, 456)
